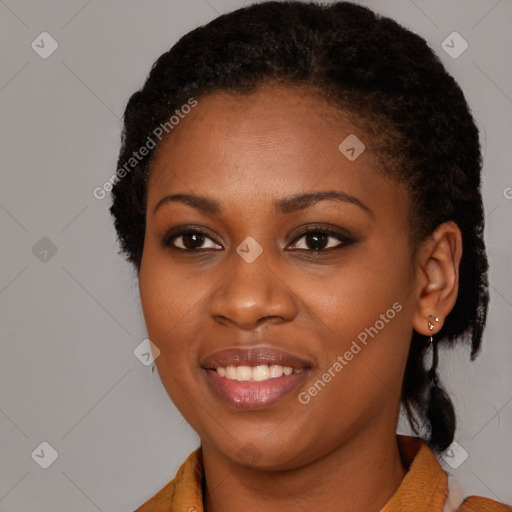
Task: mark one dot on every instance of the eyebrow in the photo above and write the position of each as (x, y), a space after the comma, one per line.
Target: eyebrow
(286, 205)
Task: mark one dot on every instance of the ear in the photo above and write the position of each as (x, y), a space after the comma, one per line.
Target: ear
(438, 260)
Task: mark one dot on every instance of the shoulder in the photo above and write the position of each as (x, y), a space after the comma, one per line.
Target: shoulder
(184, 490)
(479, 504)
(456, 502)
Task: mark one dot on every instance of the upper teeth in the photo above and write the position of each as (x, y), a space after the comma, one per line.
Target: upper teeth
(255, 373)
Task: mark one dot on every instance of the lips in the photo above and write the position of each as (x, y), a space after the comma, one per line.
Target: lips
(240, 390)
(253, 357)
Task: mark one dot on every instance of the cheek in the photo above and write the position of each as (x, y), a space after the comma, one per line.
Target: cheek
(174, 303)
(166, 294)
(365, 312)
(165, 302)
(166, 299)
(353, 296)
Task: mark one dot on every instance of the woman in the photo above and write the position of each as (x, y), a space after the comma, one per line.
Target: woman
(299, 191)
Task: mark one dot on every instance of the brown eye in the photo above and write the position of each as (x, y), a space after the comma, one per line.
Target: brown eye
(190, 240)
(320, 240)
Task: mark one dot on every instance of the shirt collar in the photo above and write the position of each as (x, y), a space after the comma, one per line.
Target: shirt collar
(423, 488)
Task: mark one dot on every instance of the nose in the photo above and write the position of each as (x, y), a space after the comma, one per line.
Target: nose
(251, 294)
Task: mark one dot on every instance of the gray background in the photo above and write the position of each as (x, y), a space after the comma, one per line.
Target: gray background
(70, 321)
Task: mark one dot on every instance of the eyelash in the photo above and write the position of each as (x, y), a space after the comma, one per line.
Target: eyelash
(343, 239)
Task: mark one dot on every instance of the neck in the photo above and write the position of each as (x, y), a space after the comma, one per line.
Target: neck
(360, 475)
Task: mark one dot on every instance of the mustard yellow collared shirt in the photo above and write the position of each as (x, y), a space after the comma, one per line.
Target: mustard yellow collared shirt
(423, 489)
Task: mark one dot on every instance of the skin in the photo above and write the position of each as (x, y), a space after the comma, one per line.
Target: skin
(339, 451)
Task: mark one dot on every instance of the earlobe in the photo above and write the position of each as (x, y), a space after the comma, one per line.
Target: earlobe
(438, 278)
(432, 318)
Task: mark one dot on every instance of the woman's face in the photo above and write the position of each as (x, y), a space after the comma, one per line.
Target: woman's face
(271, 250)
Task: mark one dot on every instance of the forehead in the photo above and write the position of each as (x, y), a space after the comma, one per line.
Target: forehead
(277, 141)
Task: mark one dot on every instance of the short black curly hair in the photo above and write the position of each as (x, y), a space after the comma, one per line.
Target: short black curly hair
(377, 71)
